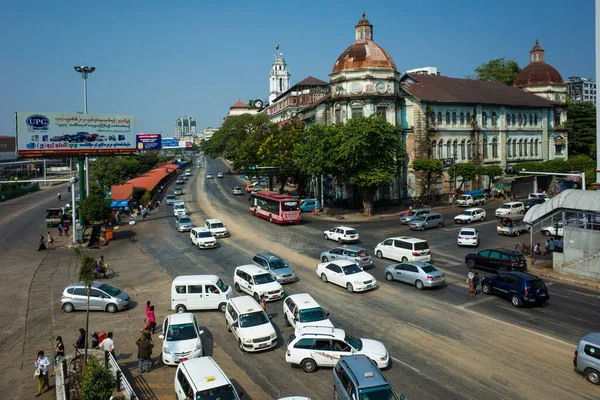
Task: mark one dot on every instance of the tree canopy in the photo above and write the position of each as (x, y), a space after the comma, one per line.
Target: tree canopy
(581, 125)
(499, 70)
(430, 170)
(95, 208)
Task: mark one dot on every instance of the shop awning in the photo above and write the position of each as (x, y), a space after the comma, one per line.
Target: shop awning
(119, 203)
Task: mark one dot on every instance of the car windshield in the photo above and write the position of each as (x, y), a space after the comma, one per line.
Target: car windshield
(536, 284)
(179, 207)
(505, 206)
(203, 234)
(351, 232)
(217, 225)
(237, 188)
(108, 289)
(467, 233)
(351, 269)
(419, 218)
(177, 188)
(181, 332)
(383, 392)
(225, 392)
(253, 319)
(263, 278)
(353, 341)
(312, 315)
(463, 197)
(518, 258)
(429, 268)
(468, 213)
(170, 197)
(223, 287)
(185, 221)
(278, 264)
(289, 206)
(421, 246)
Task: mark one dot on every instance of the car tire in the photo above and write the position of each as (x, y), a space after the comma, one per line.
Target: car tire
(546, 233)
(404, 259)
(325, 236)
(324, 278)
(308, 365)
(237, 288)
(241, 346)
(468, 221)
(592, 376)
(471, 264)
(515, 300)
(350, 288)
(440, 225)
(287, 321)
(419, 285)
(502, 269)
(180, 309)
(389, 277)
(379, 254)
(227, 326)
(324, 259)
(223, 307)
(68, 307)
(112, 308)
(340, 241)
(486, 288)
(422, 227)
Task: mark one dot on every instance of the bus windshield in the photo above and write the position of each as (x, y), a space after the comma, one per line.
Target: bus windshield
(289, 206)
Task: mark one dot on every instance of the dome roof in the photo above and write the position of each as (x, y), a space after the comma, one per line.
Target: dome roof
(538, 72)
(364, 52)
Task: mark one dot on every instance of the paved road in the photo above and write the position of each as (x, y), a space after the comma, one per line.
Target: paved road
(444, 343)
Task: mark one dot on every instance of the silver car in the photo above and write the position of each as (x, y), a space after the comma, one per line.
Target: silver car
(409, 216)
(280, 270)
(171, 199)
(420, 274)
(184, 223)
(357, 255)
(237, 190)
(177, 191)
(587, 357)
(103, 297)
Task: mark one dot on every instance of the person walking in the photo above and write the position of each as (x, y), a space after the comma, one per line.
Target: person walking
(263, 303)
(552, 245)
(476, 282)
(469, 282)
(69, 188)
(547, 247)
(66, 227)
(59, 353)
(50, 241)
(108, 345)
(42, 244)
(59, 195)
(60, 228)
(536, 249)
(151, 320)
(80, 343)
(41, 372)
(144, 351)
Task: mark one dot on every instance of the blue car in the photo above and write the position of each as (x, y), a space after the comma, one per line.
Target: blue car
(307, 205)
(519, 287)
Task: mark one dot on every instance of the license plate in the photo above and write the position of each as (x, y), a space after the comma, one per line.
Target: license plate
(275, 296)
(542, 294)
(263, 345)
(351, 237)
(183, 359)
(288, 279)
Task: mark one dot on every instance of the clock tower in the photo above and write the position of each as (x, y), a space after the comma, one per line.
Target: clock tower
(279, 77)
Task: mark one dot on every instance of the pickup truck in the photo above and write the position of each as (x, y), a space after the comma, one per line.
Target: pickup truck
(54, 216)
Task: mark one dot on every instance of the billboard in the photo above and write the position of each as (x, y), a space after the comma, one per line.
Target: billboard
(47, 133)
(148, 141)
(170, 143)
(185, 144)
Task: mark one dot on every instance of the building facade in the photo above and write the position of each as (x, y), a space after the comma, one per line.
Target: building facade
(185, 127)
(239, 108)
(298, 99)
(208, 133)
(581, 89)
(279, 76)
(424, 71)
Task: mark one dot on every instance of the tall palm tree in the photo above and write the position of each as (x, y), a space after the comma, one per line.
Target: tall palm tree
(86, 274)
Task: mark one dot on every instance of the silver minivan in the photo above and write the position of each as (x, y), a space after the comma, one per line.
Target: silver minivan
(587, 357)
(409, 216)
(426, 221)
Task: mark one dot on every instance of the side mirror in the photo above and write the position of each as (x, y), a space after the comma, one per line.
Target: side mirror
(162, 337)
(200, 332)
(327, 314)
(235, 324)
(295, 319)
(240, 394)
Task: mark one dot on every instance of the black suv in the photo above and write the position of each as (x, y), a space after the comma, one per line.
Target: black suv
(532, 202)
(520, 287)
(497, 260)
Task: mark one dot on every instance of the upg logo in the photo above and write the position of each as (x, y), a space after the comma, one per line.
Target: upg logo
(38, 122)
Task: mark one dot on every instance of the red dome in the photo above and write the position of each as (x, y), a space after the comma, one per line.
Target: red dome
(364, 54)
(538, 73)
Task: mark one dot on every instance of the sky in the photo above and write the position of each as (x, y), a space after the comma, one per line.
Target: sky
(159, 60)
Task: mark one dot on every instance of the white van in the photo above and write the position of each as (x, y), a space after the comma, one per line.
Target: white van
(202, 377)
(301, 310)
(249, 324)
(404, 249)
(257, 282)
(179, 208)
(199, 292)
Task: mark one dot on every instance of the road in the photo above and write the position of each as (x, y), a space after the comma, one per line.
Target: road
(443, 343)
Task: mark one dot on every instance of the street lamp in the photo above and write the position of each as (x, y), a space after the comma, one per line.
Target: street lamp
(85, 71)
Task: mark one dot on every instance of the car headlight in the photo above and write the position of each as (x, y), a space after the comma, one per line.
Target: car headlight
(383, 358)
(120, 300)
(273, 336)
(198, 346)
(247, 341)
(357, 282)
(278, 276)
(166, 350)
(293, 275)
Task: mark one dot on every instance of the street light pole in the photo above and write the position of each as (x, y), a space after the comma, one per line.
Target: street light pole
(85, 71)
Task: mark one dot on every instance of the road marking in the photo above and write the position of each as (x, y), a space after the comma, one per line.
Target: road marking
(468, 226)
(406, 365)
(472, 303)
(428, 331)
(594, 296)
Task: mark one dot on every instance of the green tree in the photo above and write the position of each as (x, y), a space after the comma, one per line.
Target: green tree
(499, 70)
(430, 170)
(467, 171)
(98, 382)
(146, 198)
(581, 125)
(95, 208)
(491, 171)
(86, 274)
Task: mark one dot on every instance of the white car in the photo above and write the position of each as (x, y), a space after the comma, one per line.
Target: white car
(188, 172)
(216, 227)
(468, 237)
(346, 274)
(203, 238)
(179, 208)
(220, 175)
(249, 324)
(342, 234)
(318, 346)
(542, 196)
(257, 283)
(209, 176)
(553, 230)
(302, 310)
(181, 338)
(470, 215)
(513, 207)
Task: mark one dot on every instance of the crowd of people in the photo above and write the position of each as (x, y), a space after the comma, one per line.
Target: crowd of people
(553, 244)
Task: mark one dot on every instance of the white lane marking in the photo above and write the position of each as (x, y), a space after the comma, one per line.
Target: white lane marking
(569, 344)
(406, 365)
(594, 296)
(472, 303)
(468, 226)
(552, 283)
(428, 331)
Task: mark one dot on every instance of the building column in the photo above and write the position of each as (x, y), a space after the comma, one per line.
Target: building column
(546, 121)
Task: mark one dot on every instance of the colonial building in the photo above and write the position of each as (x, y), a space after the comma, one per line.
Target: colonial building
(239, 108)
(296, 100)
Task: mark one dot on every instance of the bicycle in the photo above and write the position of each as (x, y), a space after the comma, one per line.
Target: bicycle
(524, 248)
(107, 272)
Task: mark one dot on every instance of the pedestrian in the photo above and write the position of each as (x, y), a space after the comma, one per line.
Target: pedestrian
(60, 228)
(144, 351)
(552, 244)
(476, 282)
(59, 353)
(469, 282)
(157, 204)
(66, 227)
(547, 247)
(148, 307)
(536, 249)
(50, 241)
(41, 372)
(560, 245)
(69, 188)
(263, 303)
(556, 244)
(59, 195)
(108, 345)
(81, 340)
(42, 245)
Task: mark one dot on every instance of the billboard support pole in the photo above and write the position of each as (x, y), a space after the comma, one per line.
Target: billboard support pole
(44, 168)
(75, 213)
(81, 191)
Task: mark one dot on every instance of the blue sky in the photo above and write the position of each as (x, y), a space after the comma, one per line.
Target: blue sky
(158, 60)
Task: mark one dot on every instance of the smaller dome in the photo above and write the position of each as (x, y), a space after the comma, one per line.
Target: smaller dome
(364, 54)
(538, 73)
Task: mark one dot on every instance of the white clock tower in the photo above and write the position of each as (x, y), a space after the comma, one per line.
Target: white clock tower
(279, 77)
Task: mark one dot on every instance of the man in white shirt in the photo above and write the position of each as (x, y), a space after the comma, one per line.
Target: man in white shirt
(108, 345)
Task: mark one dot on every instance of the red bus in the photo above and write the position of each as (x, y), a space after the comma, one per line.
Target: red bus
(278, 208)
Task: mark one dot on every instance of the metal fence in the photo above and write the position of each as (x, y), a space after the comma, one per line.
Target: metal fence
(122, 382)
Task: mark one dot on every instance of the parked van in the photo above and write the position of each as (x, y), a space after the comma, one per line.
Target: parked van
(473, 198)
(409, 216)
(587, 357)
(250, 325)
(301, 310)
(202, 377)
(404, 249)
(199, 292)
(355, 375)
(433, 220)
(179, 208)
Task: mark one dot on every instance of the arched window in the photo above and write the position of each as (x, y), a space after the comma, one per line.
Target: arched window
(281, 84)
(485, 148)
(484, 118)
(441, 149)
(514, 147)
(439, 121)
(520, 147)
(433, 149)
(462, 118)
(514, 119)
(453, 118)
(447, 117)
(468, 118)
(455, 149)
(508, 148)
(535, 119)
(525, 153)
(449, 149)
(520, 119)
(537, 146)
(525, 120)
(432, 118)
(462, 149)
(507, 119)
(495, 147)
(530, 119)
(531, 148)
(556, 118)
(494, 119)
(437, 188)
